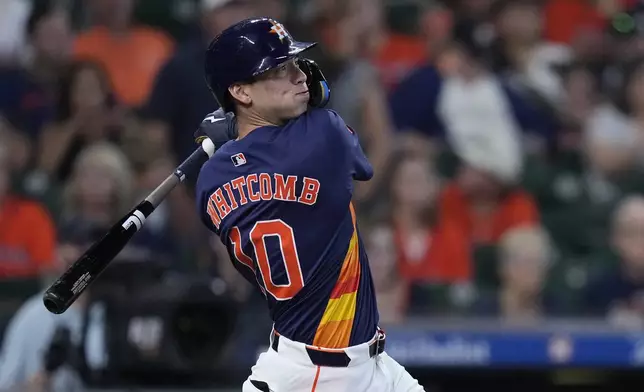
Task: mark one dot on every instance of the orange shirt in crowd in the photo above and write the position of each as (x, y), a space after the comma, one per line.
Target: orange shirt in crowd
(27, 239)
(132, 60)
(517, 209)
(398, 56)
(446, 258)
(564, 19)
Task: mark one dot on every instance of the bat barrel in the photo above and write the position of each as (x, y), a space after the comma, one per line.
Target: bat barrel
(62, 293)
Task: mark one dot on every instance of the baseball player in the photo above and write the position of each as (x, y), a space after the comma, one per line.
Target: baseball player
(278, 194)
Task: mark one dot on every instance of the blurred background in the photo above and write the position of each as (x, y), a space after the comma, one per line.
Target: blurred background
(505, 222)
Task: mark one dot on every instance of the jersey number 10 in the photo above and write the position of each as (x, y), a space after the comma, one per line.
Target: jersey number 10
(257, 235)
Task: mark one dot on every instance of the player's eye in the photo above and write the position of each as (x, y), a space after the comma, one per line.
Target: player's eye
(282, 69)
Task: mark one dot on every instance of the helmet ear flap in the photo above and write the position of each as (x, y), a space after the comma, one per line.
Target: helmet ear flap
(318, 86)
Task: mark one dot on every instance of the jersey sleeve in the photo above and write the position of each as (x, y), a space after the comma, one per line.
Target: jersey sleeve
(347, 141)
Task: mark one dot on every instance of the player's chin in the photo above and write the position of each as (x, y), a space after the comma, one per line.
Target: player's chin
(300, 107)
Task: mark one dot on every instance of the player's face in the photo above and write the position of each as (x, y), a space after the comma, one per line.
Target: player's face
(281, 93)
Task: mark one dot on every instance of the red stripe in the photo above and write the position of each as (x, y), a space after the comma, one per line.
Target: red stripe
(348, 286)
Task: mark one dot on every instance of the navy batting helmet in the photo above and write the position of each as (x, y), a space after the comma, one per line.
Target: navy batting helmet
(247, 49)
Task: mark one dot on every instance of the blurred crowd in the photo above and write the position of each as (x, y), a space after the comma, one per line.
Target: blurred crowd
(506, 138)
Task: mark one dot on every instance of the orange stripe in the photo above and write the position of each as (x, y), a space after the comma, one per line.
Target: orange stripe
(334, 334)
(334, 330)
(315, 381)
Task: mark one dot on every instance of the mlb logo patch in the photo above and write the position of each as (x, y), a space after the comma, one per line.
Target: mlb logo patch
(238, 159)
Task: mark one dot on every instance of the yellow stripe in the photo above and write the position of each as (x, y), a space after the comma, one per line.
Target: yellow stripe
(338, 309)
(334, 329)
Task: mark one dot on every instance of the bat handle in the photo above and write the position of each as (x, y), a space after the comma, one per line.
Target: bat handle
(190, 165)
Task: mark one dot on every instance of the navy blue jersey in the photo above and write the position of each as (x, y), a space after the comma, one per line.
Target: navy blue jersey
(280, 200)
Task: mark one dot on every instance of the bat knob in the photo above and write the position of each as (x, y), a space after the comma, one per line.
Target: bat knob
(54, 303)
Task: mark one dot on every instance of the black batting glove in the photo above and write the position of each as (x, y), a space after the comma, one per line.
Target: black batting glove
(219, 126)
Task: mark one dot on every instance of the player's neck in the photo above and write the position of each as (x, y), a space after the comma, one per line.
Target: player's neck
(250, 122)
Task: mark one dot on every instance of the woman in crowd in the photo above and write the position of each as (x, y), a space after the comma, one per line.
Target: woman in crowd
(99, 191)
(427, 255)
(392, 291)
(426, 251)
(86, 113)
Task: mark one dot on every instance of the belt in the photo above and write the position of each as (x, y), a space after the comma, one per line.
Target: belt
(335, 358)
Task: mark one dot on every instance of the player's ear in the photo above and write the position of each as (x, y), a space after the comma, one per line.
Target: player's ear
(240, 93)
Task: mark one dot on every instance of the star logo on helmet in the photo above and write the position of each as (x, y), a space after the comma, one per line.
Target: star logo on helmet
(279, 29)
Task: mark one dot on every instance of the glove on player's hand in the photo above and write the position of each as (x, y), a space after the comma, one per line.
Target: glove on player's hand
(220, 127)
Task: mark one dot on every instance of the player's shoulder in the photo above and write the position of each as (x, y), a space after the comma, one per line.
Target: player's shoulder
(323, 125)
(211, 172)
(325, 117)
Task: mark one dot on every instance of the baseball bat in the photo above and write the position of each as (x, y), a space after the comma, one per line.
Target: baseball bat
(71, 284)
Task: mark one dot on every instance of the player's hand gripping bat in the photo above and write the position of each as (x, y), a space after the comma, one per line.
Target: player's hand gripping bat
(214, 131)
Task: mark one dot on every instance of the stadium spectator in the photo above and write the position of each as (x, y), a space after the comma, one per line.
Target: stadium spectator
(581, 98)
(13, 19)
(396, 54)
(617, 290)
(566, 21)
(27, 233)
(86, 112)
(436, 29)
(38, 355)
(484, 199)
(521, 54)
(132, 55)
(357, 94)
(458, 91)
(28, 89)
(525, 256)
(425, 250)
(99, 191)
(429, 257)
(180, 99)
(392, 290)
(633, 101)
(579, 188)
(19, 148)
(185, 240)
